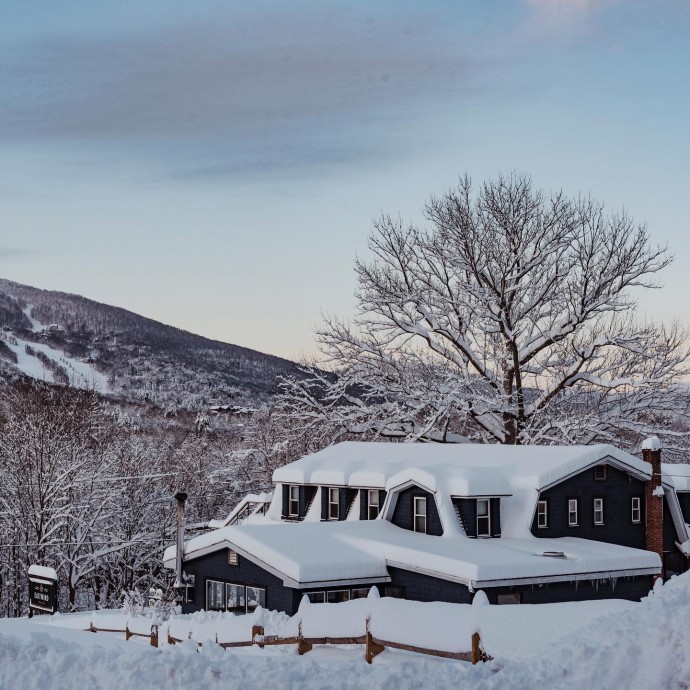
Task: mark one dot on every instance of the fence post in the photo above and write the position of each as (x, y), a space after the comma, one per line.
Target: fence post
(170, 638)
(92, 627)
(477, 653)
(258, 631)
(371, 648)
(127, 633)
(154, 636)
(302, 646)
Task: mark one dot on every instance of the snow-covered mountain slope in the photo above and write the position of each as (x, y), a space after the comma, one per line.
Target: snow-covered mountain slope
(62, 338)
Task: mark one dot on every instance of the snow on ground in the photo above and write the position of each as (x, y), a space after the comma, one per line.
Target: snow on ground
(81, 374)
(641, 646)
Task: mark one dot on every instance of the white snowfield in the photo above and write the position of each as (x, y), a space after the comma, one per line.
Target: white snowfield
(577, 646)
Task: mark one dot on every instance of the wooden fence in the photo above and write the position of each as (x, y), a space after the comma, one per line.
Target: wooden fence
(372, 645)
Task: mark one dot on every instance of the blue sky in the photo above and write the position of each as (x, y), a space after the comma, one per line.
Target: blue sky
(217, 167)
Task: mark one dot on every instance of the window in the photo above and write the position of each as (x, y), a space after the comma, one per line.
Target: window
(317, 597)
(483, 518)
(236, 599)
(372, 504)
(636, 506)
(598, 511)
(572, 512)
(215, 595)
(600, 473)
(361, 593)
(509, 598)
(233, 558)
(420, 514)
(338, 595)
(333, 503)
(256, 596)
(293, 501)
(542, 514)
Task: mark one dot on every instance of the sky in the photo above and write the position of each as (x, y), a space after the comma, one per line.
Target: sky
(217, 166)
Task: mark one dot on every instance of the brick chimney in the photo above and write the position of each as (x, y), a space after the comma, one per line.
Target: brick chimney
(654, 499)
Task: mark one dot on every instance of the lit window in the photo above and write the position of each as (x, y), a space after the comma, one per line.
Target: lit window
(542, 514)
(233, 558)
(600, 473)
(372, 504)
(293, 502)
(598, 511)
(572, 512)
(420, 514)
(333, 503)
(338, 595)
(636, 505)
(483, 518)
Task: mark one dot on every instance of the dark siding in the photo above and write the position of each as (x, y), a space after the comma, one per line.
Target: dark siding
(684, 500)
(403, 516)
(364, 503)
(467, 509)
(420, 587)
(670, 535)
(346, 498)
(306, 495)
(324, 502)
(495, 517)
(215, 566)
(617, 491)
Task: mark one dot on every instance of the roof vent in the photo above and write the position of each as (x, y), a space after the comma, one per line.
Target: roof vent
(554, 554)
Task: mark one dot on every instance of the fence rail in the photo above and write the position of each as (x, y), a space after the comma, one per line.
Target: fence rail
(373, 646)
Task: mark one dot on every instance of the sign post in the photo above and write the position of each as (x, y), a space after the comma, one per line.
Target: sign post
(43, 590)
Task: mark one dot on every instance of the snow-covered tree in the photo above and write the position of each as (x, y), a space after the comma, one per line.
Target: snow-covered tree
(510, 318)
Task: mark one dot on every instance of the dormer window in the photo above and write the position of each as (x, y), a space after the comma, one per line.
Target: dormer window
(483, 518)
(372, 504)
(600, 473)
(293, 501)
(333, 503)
(420, 514)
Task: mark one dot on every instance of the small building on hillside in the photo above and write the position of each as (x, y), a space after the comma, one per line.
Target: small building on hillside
(436, 522)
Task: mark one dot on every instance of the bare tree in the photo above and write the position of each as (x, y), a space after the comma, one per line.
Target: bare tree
(509, 319)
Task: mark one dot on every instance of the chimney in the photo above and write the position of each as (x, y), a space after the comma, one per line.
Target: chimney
(181, 497)
(654, 499)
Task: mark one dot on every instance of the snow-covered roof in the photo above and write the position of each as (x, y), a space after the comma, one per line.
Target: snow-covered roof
(42, 571)
(677, 475)
(257, 500)
(312, 554)
(454, 469)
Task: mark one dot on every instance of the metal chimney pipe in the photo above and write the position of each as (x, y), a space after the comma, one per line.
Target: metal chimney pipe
(181, 497)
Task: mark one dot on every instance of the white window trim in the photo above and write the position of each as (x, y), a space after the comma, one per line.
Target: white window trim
(292, 500)
(598, 510)
(225, 601)
(337, 591)
(332, 503)
(542, 524)
(370, 505)
(636, 507)
(573, 501)
(487, 517)
(420, 500)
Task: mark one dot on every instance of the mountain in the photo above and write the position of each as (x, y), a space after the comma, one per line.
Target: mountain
(64, 338)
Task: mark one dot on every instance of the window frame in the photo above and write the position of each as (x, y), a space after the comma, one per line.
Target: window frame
(246, 598)
(338, 591)
(212, 581)
(636, 507)
(595, 510)
(509, 598)
(334, 514)
(370, 505)
(420, 500)
(542, 513)
(292, 500)
(576, 512)
(316, 595)
(484, 518)
(362, 593)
